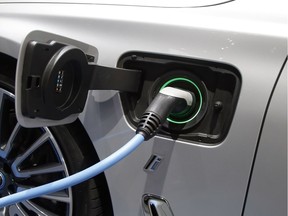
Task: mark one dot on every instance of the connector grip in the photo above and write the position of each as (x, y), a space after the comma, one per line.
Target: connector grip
(160, 108)
(163, 105)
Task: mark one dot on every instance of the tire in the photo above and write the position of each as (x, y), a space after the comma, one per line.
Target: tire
(34, 156)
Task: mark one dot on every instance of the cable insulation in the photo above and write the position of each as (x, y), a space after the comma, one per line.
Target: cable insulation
(76, 178)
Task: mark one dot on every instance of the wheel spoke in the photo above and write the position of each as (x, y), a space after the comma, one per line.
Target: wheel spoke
(28, 152)
(17, 210)
(7, 148)
(37, 209)
(45, 169)
(60, 196)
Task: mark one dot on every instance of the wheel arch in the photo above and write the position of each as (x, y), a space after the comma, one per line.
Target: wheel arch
(8, 64)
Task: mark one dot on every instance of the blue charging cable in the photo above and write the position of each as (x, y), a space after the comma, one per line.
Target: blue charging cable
(154, 116)
(76, 178)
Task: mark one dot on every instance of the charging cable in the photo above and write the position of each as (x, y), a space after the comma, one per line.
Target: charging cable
(155, 115)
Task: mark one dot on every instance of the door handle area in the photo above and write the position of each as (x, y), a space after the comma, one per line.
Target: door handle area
(156, 206)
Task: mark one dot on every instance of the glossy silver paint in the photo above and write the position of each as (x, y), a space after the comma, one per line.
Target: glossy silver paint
(194, 178)
(269, 179)
(143, 3)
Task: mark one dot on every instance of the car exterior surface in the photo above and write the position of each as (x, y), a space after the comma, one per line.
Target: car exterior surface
(244, 174)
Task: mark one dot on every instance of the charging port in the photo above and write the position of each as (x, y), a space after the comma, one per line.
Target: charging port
(214, 86)
(188, 116)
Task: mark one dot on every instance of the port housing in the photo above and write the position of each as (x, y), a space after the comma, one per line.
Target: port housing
(217, 83)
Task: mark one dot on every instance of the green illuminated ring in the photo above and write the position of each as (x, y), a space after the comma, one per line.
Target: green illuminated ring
(200, 94)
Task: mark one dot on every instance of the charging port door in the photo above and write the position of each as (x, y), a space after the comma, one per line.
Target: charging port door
(54, 76)
(33, 83)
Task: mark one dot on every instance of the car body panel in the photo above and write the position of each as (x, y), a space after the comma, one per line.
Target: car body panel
(269, 178)
(141, 3)
(195, 178)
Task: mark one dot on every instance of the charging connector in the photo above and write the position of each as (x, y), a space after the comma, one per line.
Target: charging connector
(166, 100)
(163, 104)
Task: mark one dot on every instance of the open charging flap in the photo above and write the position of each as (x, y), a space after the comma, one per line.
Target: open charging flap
(54, 75)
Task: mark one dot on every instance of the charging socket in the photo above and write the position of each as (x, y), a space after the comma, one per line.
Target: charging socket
(215, 87)
(183, 119)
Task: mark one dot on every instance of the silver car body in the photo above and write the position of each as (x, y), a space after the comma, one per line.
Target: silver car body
(196, 179)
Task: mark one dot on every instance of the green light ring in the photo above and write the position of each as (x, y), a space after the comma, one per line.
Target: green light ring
(200, 94)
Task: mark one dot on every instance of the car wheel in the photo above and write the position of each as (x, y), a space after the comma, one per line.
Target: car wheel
(34, 156)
